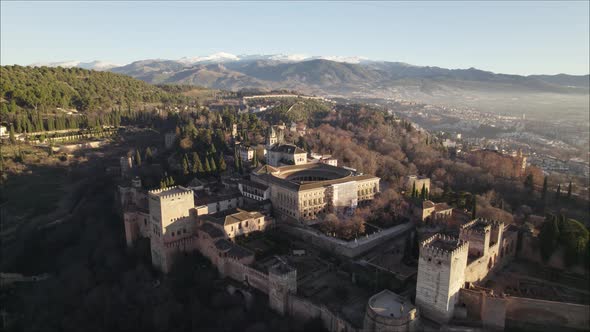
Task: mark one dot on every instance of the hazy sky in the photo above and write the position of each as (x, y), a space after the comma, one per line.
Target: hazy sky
(522, 38)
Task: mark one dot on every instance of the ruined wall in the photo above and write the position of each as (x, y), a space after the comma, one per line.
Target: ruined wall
(472, 301)
(479, 240)
(532, 314)
(546, 315)
(243, 273)
(478, 269)
(305, 309)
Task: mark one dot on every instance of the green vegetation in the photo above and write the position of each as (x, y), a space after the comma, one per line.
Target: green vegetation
(44, 88)
(569, 234)
(297, 110)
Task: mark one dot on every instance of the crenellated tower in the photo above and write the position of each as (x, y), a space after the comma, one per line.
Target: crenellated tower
(170, 209)
(441, 271)
(282, 280)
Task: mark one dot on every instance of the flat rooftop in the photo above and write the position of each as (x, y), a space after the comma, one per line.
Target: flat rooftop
(479, 225)
(389, 304)
(443, 242)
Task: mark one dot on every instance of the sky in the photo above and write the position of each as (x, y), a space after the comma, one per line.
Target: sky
(504, 37)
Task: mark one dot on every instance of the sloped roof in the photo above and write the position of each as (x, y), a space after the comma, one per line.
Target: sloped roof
(441, 207)
(287, 148)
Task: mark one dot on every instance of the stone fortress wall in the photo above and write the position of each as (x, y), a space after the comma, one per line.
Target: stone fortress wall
(525, 313)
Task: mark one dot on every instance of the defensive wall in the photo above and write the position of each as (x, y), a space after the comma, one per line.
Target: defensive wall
(351, 248)
(305, 309)
(525, 313)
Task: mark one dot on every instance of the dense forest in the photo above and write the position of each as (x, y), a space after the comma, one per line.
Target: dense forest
(46, 89)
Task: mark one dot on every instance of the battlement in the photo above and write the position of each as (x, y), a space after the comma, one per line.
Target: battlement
(443, 245)
(171, 192)
(479, 225)
(181, 219)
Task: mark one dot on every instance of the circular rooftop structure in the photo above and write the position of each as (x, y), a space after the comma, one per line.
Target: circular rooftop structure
(311, 173)
(387, 311)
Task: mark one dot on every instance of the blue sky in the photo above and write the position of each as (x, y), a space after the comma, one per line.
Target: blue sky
(520, 38)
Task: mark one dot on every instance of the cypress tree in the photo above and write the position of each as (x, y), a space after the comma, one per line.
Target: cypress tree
(255, 159)
(11, 135)
(413, 189)
(544, 191)
(213, 165)
(236, 161)
(137, 158)
(222, 165)
(207, 166)
(569, 190)
(549, 236)
(148, 155)
(529, 182)
(558, 192)
(423, 192)
(185, 168)
(197, 166)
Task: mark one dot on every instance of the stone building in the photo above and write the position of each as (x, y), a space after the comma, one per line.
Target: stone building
(275, 136)
(446, 264)
(485, 239)
(246, 152)
(430, 211)
(212, 203)
(499, 164)
(441, 274)
(171, 219)
(285, 154)
(254, 190)
(168, 217)
(278, 153)
(306, 192)
(387, 311)
(237, 222)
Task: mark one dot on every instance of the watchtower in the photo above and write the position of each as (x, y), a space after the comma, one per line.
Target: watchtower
(275, 136)
(169, 204)
(169, 210)
(481, 234)
(282, 281)
(441, 274)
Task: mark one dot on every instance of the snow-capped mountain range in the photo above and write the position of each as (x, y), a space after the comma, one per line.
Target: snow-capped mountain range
(220, 57)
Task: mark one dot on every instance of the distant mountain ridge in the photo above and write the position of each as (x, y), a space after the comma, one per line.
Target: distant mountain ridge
(358, 77)
(327, 76)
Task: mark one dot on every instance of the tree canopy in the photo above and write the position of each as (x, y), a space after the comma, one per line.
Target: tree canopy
(43, 88)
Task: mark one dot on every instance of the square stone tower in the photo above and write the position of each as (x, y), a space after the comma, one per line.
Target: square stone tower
(478, 233)
(170, 209)
(441, 274)
(169, 204)
(282, 280)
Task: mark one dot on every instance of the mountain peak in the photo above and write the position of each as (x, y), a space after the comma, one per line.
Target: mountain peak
(217, 57)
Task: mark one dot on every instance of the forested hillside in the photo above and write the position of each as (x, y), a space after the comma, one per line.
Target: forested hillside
(46, 89)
